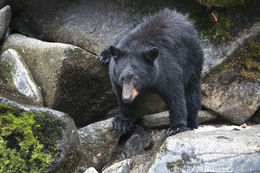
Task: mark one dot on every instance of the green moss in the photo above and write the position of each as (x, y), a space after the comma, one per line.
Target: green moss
(28, 141)
(245, 65)
(251, 63)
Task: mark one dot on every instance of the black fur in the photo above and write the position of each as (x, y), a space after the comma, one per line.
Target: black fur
(164, 55)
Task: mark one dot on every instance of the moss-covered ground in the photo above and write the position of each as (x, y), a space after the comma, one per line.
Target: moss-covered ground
(28, 141)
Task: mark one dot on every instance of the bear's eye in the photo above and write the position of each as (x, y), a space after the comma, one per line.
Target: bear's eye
(134, 80)
(122, 79)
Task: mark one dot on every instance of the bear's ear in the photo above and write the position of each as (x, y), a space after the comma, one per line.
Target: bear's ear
(151, 54)
(115, 51)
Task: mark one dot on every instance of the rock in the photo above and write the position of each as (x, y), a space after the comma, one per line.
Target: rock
(214, 56)
(222, 149)
(15, 74)
(41, 139)
(232, 89)
(5, 19)
(92, 25)
(122, 167)
(14, 95)
(138, 143)
(70, 78)
(99, 141)
(162, 119)
(91, 170)
(205, 116)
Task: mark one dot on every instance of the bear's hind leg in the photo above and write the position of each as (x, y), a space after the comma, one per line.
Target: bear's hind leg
(193, 99)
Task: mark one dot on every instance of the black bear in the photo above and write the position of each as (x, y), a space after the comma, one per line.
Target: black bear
(161, 54)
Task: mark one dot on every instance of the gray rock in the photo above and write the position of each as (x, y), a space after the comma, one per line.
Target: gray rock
(207, 149)
(124, 166)
(64, 131)
(99, 141)
(236, 102)
(91, 170)
(232, 88)
(162, 119)
(15, 74)
(70, 78)
(5, 19)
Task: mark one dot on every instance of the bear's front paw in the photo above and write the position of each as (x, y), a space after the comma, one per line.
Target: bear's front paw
(122, 125)
(104, 57)
(175, 130)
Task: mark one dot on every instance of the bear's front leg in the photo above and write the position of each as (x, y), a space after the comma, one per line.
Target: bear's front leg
(123, 122)
(176, 103)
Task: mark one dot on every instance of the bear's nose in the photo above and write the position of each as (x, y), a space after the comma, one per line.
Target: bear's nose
(127, 99)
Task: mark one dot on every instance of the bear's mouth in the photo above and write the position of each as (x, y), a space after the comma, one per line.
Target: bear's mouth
(129, 92)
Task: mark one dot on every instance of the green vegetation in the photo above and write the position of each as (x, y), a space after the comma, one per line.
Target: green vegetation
(244, 65)
(251, 63)
(28, 141)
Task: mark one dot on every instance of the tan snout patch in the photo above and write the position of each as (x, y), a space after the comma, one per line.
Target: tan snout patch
(129, 92)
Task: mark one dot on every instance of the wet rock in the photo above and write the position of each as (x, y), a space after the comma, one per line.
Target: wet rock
(222, 149)
(50, 137)
(5, 19)
(15, 74)
(91, 170)
(70, 78)
(232, 89)
(162, 119)
(122, 167)
(99, 141)
(138, 143)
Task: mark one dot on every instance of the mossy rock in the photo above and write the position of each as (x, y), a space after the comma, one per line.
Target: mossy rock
(36, 140)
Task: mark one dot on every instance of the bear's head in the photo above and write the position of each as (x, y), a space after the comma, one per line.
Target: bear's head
(133, 70)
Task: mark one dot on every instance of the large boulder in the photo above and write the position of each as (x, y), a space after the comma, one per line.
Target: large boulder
(124, 166)
(70, 78)
(15, 74)
(232, 89)
(99, 141)
(5, 19)
(34, 139)
(209, 149)
(92, 24)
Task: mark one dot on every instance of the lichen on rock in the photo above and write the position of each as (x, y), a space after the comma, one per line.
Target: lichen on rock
(28, 140)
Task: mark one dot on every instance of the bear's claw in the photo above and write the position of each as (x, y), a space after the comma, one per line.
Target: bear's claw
(175, 130)
(104, 57)
(122, 125)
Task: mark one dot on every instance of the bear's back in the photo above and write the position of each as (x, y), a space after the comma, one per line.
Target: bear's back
(167, 27)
